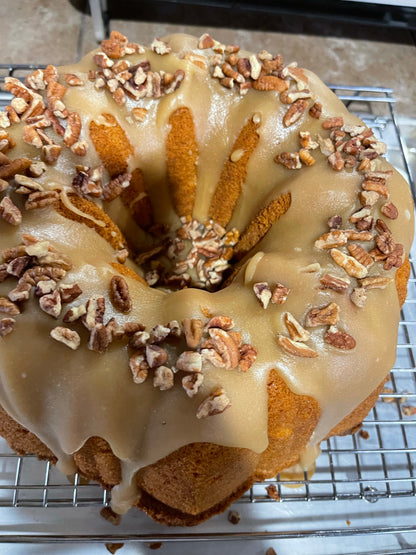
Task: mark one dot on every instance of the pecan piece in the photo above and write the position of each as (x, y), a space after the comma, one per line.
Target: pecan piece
(156, 356)
(331, 123)
(95, 309)
(390, 211)
(21, 292)
(316, 110)
(68, 337)
(322, 316)
(51, 304)
(248, 355)
(279, 294)
(306, 157)
(139, 367)
(269, 82)
(339, 339)
(336, 161)
(295, 112)
(120, 294)
(193, 328)
(296, 348)
(295, 329)
(335, 238)
(115, 187)
(223, 322)
(225, 346)
(349, 263)
(10, 212)
(376, 282)
(360, 254)
(8, 307)
(216, 403)
(100, 338)
(73, 129)
(6, 326)
(263, 293)
(159, 333)
(189, 361)
(290, 160)
(191, 383)
(163, 378)
(359, 297)
(69, 292)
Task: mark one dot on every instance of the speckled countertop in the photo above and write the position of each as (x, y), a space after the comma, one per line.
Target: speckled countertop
(53, 31)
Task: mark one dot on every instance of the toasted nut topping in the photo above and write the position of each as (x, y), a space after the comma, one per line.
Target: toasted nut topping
(163, 378)
(21, 292)
(332, 239)
(73, 79)
(290, 160)
(156, 356)
(360, 254)
(10, 212)
(376, 185)
(100, 338)
(139, 339)
(75, 313)
(6, 326)
(305, 140)
(68, 337)
(390, 211)
(296, 331)
(120, 294)
(160, 47)
(8, 307)
(40, 248)
(206, 41)
(175, 328)
(339, 339)
(323, 316)
(69, 292)
(216, 403)
(359, 297)
(193, 328)
(334, 222)
(248, 355)
(330, 123)
(409, 410)
(45, 287)
(95, 311)
(294, 113)
(189, 361)
(350, 265)
(159, 333)
(361, 214)
(280, 293)
(223, 322)
(263, 293)
(225, 346)
(369, 198)
(139, 114)
(336, 161)
(139, 368)
(316, 110)
(51, 304)
(306, 157)
(211, 356)
(296, 348)
(376, 282)
(191, 383)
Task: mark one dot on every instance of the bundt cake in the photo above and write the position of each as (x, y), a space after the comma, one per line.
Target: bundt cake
(204, 255)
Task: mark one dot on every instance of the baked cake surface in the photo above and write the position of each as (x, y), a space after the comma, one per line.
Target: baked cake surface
(204, 258)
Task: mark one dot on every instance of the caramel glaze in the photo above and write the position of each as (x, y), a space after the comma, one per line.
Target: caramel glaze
(65, 396)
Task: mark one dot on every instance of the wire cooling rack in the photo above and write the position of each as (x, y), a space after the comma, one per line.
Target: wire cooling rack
(376, 464)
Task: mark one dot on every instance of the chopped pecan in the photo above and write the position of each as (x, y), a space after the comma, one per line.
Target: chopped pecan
(100, 338)
(80, 148)
(248, 355)
(95, 311)
(376, 282)
(223, 322)
(163, 378)
(18, 265)
(160, 47)
(290, 160)
(335, 238)
(120, 294)
(330, 123)
(139, 114)
(326, 146)
(360, 254)
(339, 339)
(295, 329)
(3, 185)
(390, 210)
(377, 186)
(156, 356)
(6, 326)
(189, 361)
(322, 316)
(41, 199)
(73, 80)
(360, 214)
(114, 188)
(226, 347)
(193, 328)
(316, 110)
(365, 224)
(191, 383)
(349, 263)
(279, 294)
(45, 287)
(216, 403)
(306, 157)
(159, 333)
(336, 161)
(139, 339)
(395, 259)
(8, 307)
(73, 129)
(139, 367)
(51, 304)
(21, 292)
(296, 348)
(55, 259)
(10, 212)
(175, 328)
(270, 83)
(68, 337)
(295, 112)
(51, 153)
(334, 222)
(69, 292)
(206, 41)
(359, 297)
(369, 198)
(263, 293)
(385, 242)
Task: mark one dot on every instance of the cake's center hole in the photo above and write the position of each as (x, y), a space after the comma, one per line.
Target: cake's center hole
(196, 254)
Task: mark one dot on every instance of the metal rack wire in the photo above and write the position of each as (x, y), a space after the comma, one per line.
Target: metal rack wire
(377, 464)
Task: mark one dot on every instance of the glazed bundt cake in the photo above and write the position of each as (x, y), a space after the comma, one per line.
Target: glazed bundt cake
(204, 255)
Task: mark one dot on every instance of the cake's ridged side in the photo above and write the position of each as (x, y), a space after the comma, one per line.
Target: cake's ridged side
(181, 160)
(137, 201)
(260, 225)
(112, 145)
(109, 231)
(233, 175)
